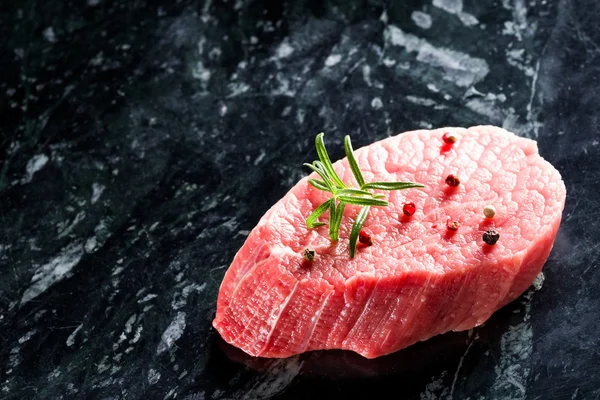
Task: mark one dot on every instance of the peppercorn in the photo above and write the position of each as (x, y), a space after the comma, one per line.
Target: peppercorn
(365, 238)
(309, 255)
(409, 209)
(491, 237)
(449, 139)
(489, 211)
(452, 180)
(452, 225)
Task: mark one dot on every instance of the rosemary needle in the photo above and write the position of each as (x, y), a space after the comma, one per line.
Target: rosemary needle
(343, 194)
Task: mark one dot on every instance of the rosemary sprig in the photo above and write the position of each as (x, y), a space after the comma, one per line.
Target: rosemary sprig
(343, 193)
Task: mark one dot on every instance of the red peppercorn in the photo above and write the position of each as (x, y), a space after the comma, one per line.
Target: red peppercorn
(452, 225)
(449, 139)
(452, 180)
(365, 237)
(409, 209)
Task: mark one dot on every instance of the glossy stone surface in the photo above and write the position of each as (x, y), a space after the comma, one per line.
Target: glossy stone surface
(140, 142)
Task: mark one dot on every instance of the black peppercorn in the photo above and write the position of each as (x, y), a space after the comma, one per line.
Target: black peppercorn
(491, 237)
(309, 255)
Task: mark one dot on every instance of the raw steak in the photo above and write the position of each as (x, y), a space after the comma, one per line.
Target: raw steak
(418, 279)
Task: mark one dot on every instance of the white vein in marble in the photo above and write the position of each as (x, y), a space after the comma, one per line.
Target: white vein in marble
(54, 271)
(460, 68)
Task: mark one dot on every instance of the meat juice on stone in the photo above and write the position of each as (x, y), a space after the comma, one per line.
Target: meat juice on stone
(418, 279)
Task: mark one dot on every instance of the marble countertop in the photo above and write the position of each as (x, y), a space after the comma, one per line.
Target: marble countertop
(140, 142)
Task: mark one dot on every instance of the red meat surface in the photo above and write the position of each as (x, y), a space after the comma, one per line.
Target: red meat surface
(418, 279)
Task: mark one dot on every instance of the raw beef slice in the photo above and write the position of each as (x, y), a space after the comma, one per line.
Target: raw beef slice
(418, 279)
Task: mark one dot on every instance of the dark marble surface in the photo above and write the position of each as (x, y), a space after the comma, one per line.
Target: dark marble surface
(140, 142)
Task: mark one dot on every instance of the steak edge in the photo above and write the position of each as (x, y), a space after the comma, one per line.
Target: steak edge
(418, 279)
